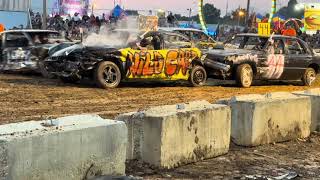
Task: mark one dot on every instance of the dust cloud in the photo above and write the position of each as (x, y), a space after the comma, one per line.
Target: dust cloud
(117, 36)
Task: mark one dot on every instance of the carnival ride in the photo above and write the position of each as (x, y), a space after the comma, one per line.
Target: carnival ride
(201, 17)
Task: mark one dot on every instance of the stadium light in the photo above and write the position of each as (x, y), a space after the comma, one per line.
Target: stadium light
(299, 7)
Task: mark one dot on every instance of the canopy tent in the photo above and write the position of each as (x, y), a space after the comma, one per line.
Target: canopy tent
(117, 11)
(278, 18)
(259, 17)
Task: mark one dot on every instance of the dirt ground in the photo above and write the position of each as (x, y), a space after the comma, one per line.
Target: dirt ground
(31, 97)
(298, 159)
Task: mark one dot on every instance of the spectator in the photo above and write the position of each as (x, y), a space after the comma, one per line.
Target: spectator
(171, 20)
(76, 18)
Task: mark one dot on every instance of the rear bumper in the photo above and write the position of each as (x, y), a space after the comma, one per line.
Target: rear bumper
(20, 66)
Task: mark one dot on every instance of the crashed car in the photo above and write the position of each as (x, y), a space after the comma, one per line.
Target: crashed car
(249, 57)
(24, 50)
(154, 55)
(202, 40)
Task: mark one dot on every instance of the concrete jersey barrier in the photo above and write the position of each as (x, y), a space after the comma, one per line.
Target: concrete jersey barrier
(314, 95)
(170, 136)
(275, 117)
(75, 147)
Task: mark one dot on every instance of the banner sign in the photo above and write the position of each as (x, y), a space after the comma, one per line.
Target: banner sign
(15, 5)
(264, 29)
(312, 17)
(74, 6)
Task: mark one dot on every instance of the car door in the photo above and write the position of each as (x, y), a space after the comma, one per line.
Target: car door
(147, 60)
(180, 54)
(271, 63)
(298, 57)
(170, 62)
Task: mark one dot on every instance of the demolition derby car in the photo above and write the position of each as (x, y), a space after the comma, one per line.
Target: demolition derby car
(24, 50)
(201, 39)
(153, 55)
(248, 57)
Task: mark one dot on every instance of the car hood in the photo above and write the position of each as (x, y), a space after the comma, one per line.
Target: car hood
(229, 52)
(67, 51)
(235, 55)
(58, 47)
(80, 48)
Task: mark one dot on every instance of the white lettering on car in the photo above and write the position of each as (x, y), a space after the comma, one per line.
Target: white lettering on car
(275, 67)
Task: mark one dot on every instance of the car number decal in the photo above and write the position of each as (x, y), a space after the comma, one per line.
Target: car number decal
(275, 66)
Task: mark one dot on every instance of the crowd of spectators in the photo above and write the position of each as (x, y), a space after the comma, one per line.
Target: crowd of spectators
(73, 25)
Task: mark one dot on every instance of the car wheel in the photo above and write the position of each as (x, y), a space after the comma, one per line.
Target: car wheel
(198, 76)
(309, 77)
(44, 71)
(244, 76)
(70, 79)
(107, 75)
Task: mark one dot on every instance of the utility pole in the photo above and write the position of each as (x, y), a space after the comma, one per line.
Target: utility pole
(44, 15)
(190, 10)
(248, 11)
(227, 8)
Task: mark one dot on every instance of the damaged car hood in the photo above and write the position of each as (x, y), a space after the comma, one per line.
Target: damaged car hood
(83, 49)
(68, 50)
(232, 54)
(229, 52)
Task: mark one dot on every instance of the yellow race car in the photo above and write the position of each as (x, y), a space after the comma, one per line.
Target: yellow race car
(156, 55)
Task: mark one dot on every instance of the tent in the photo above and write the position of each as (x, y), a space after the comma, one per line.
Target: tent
(117, 11)
(259, 17)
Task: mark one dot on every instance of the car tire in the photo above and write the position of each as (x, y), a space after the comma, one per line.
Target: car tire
(44, 71)
(107, 75)
(198, 76)
(244, 75)
(70, 79)
(309, 77)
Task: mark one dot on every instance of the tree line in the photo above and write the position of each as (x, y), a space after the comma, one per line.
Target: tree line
(212, 14)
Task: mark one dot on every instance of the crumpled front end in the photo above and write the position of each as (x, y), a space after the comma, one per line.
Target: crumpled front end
(61, 66)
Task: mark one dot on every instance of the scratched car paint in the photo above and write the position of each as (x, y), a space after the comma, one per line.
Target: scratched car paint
(23, 50)
(268, 58)
(173, 59)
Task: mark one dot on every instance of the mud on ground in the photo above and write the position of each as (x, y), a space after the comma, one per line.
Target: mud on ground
(24, 98)
(300, 158)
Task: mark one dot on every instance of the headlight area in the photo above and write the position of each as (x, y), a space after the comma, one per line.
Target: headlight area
(60, 64)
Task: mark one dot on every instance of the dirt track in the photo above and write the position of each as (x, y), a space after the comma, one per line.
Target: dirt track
(29, 97)
(25, 98)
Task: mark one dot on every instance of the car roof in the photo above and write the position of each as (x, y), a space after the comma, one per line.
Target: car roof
(29, 30)
(257, 35)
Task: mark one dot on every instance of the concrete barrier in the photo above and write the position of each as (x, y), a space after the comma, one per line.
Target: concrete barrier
(75, 147)
(274, 117)
(170, 136)
(314, 95)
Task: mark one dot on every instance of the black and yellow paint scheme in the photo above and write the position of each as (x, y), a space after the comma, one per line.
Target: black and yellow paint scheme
(174, 59)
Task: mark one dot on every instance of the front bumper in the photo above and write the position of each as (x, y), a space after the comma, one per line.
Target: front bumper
(61, 67)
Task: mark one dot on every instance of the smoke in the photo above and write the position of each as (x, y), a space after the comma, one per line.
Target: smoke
(126, 31)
